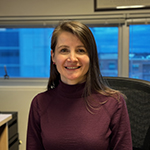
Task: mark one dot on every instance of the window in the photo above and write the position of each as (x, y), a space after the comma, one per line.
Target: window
(26, 51)
(139, 52)
(107, 45)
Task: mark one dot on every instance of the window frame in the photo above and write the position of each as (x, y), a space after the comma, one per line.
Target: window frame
(123, 35)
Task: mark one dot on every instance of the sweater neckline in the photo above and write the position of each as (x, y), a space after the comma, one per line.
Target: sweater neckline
(70, 91)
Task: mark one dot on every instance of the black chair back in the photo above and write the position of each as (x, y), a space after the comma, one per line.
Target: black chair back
(138, 104)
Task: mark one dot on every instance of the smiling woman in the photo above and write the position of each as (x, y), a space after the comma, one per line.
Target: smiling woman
(71, 58)
(78, 111)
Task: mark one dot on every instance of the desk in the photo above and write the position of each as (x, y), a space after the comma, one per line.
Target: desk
(4, 118)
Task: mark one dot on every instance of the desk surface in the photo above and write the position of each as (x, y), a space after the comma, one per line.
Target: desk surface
(4, 118)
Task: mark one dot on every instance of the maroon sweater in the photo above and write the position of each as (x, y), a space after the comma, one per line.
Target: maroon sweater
(59, 120)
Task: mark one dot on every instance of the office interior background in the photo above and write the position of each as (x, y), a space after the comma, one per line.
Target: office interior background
(122, 37)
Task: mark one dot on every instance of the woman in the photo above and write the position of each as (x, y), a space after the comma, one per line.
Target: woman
(78, 111)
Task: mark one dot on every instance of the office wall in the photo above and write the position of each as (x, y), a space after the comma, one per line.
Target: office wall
(17, 96)
(18, 100)
(45, 7)
(55, 9)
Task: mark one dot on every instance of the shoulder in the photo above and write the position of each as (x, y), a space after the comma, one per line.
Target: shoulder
(42, 100)
(111, 104)
(114, 99)
(117, 106)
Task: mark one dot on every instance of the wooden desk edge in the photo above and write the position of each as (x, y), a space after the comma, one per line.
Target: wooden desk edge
(4, 118)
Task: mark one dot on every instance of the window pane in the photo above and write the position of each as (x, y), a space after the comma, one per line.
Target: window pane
(107, 45)
(139, 52)
(26, 51)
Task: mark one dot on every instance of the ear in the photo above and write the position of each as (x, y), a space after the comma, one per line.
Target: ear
(52, 56)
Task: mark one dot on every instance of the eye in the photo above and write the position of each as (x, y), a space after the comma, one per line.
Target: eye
(64, 50)
(82, 51)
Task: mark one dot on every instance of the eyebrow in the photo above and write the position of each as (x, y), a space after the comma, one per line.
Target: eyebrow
(81, 46)
(63, 46)
(68, 46)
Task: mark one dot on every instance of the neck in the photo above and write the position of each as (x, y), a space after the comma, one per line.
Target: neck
(70, 91)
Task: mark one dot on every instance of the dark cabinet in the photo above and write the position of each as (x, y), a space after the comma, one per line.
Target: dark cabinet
(13, 135)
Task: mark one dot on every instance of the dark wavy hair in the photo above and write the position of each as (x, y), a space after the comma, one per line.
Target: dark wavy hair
(94, 79)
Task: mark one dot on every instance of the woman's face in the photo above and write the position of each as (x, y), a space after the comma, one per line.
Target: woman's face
(71, 58)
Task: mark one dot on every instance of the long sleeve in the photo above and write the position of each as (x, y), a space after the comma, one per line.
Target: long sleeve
(34, 140)
(120, 126)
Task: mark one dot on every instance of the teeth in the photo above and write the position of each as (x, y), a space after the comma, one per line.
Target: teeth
(72, 67)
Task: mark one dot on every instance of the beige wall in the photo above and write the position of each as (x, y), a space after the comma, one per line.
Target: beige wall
(45, 7)
(18, 98)
(56, 9)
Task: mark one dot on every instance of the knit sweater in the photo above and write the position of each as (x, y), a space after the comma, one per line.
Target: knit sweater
(59, 120)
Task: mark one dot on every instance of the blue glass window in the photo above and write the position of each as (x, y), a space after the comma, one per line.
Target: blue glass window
(26, 51)
(107, 45)
(139, 52)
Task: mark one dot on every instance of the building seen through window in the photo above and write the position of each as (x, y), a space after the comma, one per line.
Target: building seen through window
(26, 51)
(107, 46)
(139, 52)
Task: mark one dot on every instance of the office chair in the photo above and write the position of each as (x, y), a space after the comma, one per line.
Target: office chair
(138, 104)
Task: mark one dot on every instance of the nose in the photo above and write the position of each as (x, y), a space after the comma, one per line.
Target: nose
(72, 57)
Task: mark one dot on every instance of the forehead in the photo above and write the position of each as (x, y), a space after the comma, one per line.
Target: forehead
(68, 37)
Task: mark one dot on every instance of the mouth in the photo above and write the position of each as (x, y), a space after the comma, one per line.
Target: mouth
(72, 68)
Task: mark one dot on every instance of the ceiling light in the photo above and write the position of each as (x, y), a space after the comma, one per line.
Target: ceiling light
(132, 6)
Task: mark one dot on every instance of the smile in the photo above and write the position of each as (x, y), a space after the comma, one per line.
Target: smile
(72, 67)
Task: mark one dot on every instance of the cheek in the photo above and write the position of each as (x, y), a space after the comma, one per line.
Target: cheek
(87, 67)
(86, 62)
(59, 62)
